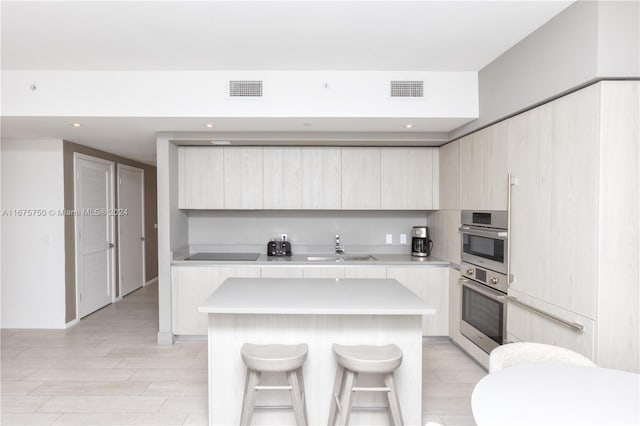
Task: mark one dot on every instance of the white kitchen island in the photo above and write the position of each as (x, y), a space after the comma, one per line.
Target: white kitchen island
(318, 312)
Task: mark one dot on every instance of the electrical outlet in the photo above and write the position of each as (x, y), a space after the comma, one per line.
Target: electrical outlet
(389, 238)
(403, 238)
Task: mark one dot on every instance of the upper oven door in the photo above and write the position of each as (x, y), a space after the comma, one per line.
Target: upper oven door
(485, 247)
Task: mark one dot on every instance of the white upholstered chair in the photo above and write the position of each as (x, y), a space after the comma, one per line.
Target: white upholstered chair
(528, 352)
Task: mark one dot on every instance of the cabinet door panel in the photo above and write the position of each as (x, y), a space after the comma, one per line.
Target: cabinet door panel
(360, 178)
(282, 169)
(321, 178)
(527, 326)
(190, 287)
(200, 178)
(450, 176)
(243, 176)
(323, 272)
(365, 272)
(281, 272)
(432, 286)
(553, 238)
(407, 178)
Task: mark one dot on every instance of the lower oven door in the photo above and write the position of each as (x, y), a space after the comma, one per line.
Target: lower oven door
(483, 315)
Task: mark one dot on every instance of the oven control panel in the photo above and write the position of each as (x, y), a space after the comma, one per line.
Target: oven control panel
(485, 276)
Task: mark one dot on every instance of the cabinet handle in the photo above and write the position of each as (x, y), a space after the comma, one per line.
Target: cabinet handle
(510, 183)
(575, 325)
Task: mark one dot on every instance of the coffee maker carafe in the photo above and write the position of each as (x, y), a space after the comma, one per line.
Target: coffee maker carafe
(421, 244)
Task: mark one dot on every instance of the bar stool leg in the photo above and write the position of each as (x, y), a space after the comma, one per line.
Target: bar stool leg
(335, 396)
(253, 378)
(347, 397)
(298, 409)
(303, 395)
(394, 402)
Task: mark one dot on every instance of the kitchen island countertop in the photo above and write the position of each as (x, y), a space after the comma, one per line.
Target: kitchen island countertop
(315, 296)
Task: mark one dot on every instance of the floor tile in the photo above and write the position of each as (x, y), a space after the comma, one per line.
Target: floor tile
(170, 374)
(22, 404)
(82, 374)
(111, 404)
(113, 419)
(28, 419)
(91, 388)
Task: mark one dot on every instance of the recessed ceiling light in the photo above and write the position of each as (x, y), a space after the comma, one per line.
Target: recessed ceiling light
(75, 125)
(220, 142)
(408, 126)
(209, 125)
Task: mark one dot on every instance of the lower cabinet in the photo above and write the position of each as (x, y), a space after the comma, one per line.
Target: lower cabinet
(190, 286)
(431, 284)
(527, 325)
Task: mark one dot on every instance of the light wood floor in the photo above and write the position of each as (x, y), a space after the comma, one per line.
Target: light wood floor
(108, 370)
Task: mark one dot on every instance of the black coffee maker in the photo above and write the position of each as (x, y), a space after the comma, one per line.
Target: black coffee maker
(421, 244)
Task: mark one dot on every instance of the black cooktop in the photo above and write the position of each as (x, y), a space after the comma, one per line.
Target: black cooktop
(224, 256)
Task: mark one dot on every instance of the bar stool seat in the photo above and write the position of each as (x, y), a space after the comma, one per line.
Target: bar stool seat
(353, 360)
(274, 357)
(368, 359)
(287, 359)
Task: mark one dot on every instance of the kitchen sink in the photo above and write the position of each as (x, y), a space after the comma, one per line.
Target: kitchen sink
(341, 258)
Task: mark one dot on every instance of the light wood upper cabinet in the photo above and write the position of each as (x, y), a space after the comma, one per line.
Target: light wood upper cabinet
(282, 168)
(361, 178)
(450, 176)
(243, 186)
(200, 173)
(407, 178)
(317, 178)
(321, 178)
(483, 169)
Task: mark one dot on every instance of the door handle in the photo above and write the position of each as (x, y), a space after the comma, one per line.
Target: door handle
(111, 245)
(141, 238)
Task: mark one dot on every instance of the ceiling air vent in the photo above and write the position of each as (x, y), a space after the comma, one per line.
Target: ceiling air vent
(407, 88)
(243, 88)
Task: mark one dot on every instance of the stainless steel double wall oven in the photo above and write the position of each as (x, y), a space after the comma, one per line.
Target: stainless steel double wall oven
(484, 270)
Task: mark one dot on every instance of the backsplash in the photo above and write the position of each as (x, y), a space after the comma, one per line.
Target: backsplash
(308, 231)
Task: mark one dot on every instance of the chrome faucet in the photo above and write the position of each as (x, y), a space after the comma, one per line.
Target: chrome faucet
(339, 248)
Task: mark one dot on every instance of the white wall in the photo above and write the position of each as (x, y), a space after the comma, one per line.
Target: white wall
(587, 41)
(308, 231)
(33, 274)
(204, 94)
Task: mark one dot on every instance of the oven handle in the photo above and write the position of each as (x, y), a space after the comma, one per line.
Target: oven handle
(480, 289)
(482, 232)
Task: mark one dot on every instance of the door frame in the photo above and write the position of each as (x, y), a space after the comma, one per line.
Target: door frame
(112, 267)
(144, 263)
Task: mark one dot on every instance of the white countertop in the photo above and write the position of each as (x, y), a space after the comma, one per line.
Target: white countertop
(314, 296)
(301, 260)
(557, 394)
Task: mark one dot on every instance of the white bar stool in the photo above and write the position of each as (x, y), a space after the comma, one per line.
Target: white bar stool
(286, 359)
(364, 359)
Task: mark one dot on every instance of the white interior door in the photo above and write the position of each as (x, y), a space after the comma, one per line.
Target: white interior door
(131, 228)
(95, 263)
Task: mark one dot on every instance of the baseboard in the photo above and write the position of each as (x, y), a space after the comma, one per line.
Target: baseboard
(72, 323)
(165, 338)
(29, 323)
(197, 338)
(152, 281)
(436, 339)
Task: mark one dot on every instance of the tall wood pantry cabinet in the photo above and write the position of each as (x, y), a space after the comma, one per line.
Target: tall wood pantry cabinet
(574, 228)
